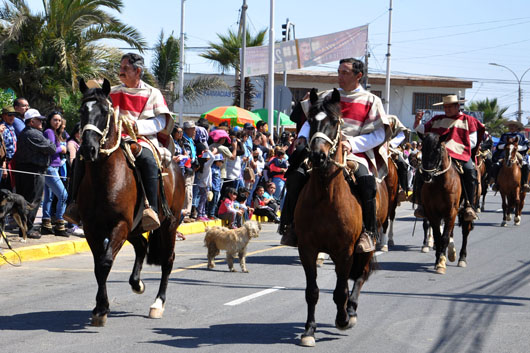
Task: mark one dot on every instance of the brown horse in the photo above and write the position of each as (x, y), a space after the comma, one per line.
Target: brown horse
(391, 183)
(509, 181)
(328, 218)
(109, 197)
(441, 197)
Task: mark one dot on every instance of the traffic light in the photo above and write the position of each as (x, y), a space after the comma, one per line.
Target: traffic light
(285, 31)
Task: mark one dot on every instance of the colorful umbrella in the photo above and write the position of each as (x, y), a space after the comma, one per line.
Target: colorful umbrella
(264, 115)
(235, 116)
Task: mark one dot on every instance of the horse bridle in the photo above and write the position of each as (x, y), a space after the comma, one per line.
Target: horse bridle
(334, 145)
(436, 170)
(105, 132)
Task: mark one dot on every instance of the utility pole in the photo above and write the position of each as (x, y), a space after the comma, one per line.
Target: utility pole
(387, 82)
(364, 79)
(520, 92)
(181, 71)
(243, 31)
(270, 102)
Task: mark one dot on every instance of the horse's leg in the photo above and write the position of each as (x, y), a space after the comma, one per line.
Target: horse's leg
(140, 248)
(162, 252)
(504, 210)
(308, 258)
(466, 228)
(426, 234)
(449, 224)
(451, 249)
(382, 242)
(391, 229)
(360, 272)
(104, 255)
(435, 225)
(340, 295)
(517, 218)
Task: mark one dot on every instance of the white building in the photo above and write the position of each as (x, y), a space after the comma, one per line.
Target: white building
(407, 93)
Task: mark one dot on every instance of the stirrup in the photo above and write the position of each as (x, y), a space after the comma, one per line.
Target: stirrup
(71, 214)
(365, 243)
(150, 220)
(469, 214)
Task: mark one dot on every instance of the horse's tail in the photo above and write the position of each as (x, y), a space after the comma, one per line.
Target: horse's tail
(161, 244)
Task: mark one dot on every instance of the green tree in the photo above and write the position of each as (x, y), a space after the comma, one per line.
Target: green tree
(226, 56)
(493, 115)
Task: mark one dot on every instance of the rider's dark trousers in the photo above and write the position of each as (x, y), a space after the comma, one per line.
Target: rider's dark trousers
(149, 172)
(469, 179)
(402, 169)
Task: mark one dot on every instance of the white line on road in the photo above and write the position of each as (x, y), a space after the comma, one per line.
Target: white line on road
(252, 296)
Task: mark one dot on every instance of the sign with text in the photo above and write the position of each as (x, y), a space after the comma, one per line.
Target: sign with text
(299, 53)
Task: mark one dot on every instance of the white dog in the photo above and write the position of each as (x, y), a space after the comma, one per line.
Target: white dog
(234, 241)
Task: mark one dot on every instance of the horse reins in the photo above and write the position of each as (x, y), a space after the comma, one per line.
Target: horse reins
(334, 145)
(436, 172)
(105, 132)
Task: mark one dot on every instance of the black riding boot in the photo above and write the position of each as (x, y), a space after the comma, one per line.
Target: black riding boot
(418, 185)
(402, 179)
(149, 172)
(495, 168)
(71, 214)
(525, 169)
(297, 177)
(469, 183)
(367, 190)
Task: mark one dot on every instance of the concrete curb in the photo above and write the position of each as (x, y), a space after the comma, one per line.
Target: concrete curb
(70, 247)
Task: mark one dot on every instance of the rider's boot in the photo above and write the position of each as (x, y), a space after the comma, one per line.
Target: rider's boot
(71, 214)
(418, 185)
(296, 179)
(524, 177)
(149, 172)
(367, 191)
(470, 182)
(402, 178)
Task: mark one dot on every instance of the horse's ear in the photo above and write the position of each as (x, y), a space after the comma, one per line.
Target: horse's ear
(313, 97)
(106, 87)
(442, 138)
(82, 86)
(335, 96)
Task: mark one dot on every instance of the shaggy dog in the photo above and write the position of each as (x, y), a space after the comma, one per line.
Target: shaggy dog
(17, 207)
(234, 241)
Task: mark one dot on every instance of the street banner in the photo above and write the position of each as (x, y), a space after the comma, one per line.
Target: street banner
(305, 52)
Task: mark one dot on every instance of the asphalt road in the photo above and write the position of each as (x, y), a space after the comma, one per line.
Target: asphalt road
(404, 307)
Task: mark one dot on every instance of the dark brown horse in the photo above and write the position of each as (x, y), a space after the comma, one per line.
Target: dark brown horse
(391, 183)
(328, 218)
(509, 181)
(109, 198)
(441, 197)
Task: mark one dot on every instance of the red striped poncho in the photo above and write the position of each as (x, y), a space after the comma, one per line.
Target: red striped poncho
(458, 129)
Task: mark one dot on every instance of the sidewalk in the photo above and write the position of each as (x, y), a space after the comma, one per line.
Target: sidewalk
(49, 246)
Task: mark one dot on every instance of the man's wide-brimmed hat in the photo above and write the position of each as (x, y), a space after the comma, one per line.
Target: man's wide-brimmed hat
(515, 123)
(450, 99)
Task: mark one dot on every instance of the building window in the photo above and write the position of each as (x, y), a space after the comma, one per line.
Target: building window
(426, 101)
(377, 93)
(299, 93)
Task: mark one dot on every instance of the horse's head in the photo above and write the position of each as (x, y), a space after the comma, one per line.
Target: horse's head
(510, 151)
(324, 119)
(432, 156)
(95, 119)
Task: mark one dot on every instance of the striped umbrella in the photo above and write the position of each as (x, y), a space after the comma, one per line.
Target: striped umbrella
(284, 118)
(235, 116)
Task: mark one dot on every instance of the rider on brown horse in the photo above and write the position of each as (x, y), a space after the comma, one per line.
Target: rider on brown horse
(145, 111)
(464, 135)
(397, 137)
(365, 129)
(514, 128)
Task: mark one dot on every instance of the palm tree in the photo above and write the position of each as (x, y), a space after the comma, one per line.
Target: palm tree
(493, 115)
(165, 69)
(226, 56)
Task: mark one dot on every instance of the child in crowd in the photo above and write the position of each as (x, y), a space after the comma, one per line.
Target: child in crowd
(217, 183)
(261, 205)
(227, 211)
(240, 204)
(203, 180)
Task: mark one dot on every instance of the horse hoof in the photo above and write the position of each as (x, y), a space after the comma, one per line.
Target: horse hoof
(384, 248)
(98, 321)
(142, 288)
(479, 210)
(391, 242)
(482, 209)
(430, 242)
(462, 263)
(503, 224)
(440, 270)
(517, 223)
(351, 322)
(425, 249)
(509, 218)
(307, 341)
(451, 251)
(157, 309)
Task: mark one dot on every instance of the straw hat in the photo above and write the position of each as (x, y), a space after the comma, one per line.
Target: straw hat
(515, 123)
(450, 99)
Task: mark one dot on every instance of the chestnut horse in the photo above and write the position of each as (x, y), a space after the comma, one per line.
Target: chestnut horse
(328, 218)
(109, 197)
(441, 198)
(509, 181)
(391, 183)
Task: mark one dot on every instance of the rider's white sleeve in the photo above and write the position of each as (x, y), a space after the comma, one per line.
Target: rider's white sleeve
(304, 131)
(151, 126)
(396, 141)
(363, 143)
(473, 139)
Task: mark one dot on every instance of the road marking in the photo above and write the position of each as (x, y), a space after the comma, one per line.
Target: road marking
(253, 296)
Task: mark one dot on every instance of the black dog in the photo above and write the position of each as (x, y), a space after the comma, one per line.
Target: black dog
(17, 207)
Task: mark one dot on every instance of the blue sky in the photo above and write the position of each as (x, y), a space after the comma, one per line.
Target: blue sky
(446, 38)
